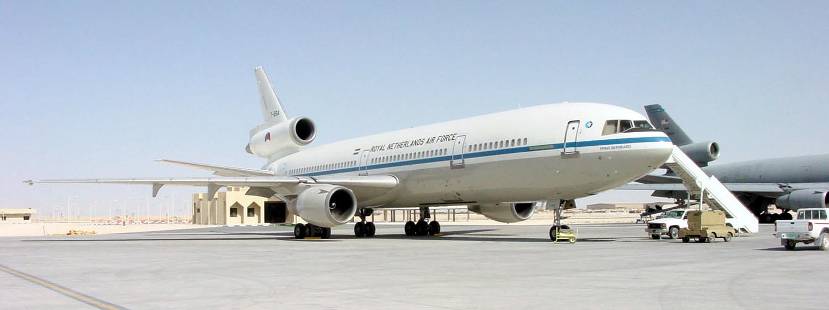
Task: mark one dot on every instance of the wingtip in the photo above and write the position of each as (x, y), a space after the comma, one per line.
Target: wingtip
(29, 182)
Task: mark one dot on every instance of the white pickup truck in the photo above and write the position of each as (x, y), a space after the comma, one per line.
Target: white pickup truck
(670, 222)
(811, 226)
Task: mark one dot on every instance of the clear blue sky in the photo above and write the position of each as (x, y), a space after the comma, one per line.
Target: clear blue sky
(102, 88)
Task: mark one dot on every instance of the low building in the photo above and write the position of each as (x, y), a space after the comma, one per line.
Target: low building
(16, 215)
(233, 207)
(616, 206)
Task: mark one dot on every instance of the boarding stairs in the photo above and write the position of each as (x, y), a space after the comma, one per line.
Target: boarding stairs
(711, 191)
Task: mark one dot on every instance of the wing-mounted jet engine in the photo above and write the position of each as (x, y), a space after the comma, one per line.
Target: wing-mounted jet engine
(277, 136)
(325, 205)
(505, 212)
(804, 198)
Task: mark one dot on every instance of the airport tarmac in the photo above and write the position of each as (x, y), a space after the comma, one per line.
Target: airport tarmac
(480, 267)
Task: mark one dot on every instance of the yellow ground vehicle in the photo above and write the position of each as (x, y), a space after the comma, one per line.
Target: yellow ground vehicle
(705, 226)
(562, 233)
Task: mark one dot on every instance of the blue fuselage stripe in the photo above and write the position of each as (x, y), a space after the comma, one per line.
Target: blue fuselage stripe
(479, 154)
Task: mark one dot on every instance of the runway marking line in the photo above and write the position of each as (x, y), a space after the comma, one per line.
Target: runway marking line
(89, 300)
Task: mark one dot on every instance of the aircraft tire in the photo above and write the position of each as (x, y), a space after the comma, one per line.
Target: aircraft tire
(434, 228)
(409, 228)
(421, 228)
(299, 231)
(359, 229)
(370, 229)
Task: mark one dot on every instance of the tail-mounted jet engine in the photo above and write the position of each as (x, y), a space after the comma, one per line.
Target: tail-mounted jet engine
(804, 198)
(702, 152)
(505, 212)
(283, 137)
(326, 205)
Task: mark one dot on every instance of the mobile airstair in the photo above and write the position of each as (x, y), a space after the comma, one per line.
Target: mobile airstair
(711, 191)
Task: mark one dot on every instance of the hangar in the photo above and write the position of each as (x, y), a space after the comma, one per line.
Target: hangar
(233, 207)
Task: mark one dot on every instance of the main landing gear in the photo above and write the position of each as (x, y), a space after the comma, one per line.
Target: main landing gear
(424, 226)
(310, 230)
(363, 228)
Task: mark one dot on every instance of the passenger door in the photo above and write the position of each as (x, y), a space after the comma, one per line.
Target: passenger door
(457, 161)
(363, 162)
(571, 138)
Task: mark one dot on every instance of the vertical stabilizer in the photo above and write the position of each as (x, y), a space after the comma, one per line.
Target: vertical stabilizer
(663, 122)
(272, 111)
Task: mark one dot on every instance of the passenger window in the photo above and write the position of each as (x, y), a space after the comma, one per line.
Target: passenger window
(512, 143)
(625, 125)
(525, 141)
(610, 127)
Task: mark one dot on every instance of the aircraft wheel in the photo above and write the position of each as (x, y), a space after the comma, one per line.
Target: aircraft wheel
(359, 229)
(370, 229)
(409, 228)
(553, 233)
(421, 228)
(299, 231)
(325, 232)
(434, 228)
(673, 233)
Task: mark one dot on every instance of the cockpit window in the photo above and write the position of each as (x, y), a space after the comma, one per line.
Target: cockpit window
(642, 125)
(619, 126)
(625, 125)
(610, 127)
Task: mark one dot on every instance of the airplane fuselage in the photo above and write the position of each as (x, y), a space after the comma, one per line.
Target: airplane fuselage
(543, 152)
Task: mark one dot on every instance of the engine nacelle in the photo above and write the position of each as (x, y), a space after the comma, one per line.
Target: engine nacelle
(326, 205)
(281, 138)
(505, 212)
(804, 198)
(702, 152)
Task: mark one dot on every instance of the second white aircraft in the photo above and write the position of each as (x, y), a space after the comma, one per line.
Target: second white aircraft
(498, 164)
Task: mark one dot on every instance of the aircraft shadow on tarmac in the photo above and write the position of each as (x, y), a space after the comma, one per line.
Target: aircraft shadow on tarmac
(470, 235)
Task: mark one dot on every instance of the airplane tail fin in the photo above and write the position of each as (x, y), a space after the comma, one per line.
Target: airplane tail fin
(662, 121)
(272, 111)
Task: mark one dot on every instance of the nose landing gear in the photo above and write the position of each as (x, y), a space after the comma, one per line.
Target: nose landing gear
(561, 232)
(424, 226)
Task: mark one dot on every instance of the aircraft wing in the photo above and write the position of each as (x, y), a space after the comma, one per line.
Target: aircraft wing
(220, 170)
(364, 187)
(771, 188)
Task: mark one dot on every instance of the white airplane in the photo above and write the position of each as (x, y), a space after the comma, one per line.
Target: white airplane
(497, 164)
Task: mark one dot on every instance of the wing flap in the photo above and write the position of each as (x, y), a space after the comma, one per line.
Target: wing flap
(220, 170)
(365, 186)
